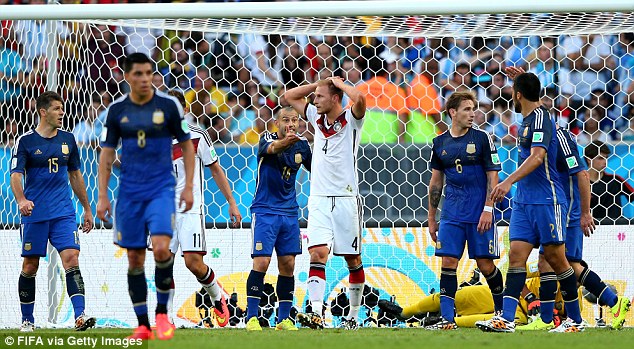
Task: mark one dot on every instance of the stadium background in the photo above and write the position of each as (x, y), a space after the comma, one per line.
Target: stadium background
(218, 72)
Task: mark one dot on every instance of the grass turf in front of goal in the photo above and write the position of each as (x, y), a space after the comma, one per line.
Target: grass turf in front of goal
(366, 338)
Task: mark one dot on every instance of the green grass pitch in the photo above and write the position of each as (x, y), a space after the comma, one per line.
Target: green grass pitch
(366, 338)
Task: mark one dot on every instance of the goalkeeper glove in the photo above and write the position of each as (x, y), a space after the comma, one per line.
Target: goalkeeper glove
(534, 306)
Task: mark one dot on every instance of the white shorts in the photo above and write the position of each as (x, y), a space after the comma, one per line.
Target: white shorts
(189, 234)
(335, 221)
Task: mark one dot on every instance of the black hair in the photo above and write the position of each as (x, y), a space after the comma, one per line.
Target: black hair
(44, 100)
(136, 58)
(529, 86)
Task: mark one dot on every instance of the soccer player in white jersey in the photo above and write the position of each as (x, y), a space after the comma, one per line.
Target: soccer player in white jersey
(334, 219)
(189, 233)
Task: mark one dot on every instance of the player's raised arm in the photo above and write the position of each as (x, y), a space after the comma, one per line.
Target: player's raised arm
(104, 208)
(296, 97)
(356, 97)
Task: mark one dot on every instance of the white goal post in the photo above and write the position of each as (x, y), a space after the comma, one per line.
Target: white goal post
(422, 44)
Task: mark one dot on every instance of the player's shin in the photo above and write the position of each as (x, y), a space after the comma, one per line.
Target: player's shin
(137, 288)
(547, 293)
(515, 279)
(284, 290)
(163, 276)
(448, 288)
(26, 290)
(75, 288)
(355, 292)
(568, 285)
(255, 281)
(316, 285)
(210, 285)
(496, 285)
(593, 283)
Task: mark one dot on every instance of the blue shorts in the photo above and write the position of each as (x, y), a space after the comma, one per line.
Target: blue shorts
(452, 236)
(62, 232)
(574, 244)
(134, 220)
(538, 224)
(275, 231)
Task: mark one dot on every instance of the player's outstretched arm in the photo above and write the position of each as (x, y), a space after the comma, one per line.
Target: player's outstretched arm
(219, 176)
(585, 194)
(296, 97)
(79, 188)
(356, 97)
(24, 205)
(533, 161)
(279, 145)
(187, 195)
(104, 208)
(435, 193)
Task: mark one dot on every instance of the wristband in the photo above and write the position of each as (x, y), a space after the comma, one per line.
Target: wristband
(488, 209)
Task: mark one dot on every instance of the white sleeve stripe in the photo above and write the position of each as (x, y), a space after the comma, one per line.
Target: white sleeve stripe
(201, 132)
(491, 144)
(564, 142)
(539, 118)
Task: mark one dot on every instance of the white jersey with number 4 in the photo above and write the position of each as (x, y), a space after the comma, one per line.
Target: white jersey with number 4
(205, 155)
(334, 165)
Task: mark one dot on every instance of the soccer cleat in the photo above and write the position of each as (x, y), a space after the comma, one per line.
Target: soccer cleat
(619, 311)
(568, 326)
(349, 324)
(83, 322)
(143, 333)
(311, 320)
(442, 325)
(27, 326)
(254, 324)
(496, 324)
(392, 308)
(164, 328)
(286, 325)
(221, 312)
(536, 325)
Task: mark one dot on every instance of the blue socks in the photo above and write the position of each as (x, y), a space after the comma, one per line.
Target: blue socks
(515, 279)
(76, 291)
(496, 285)
(137, 287)
(163, 277)
(547, 293)
(593, 283)
(448, 288)
(26, 291)
(284, 290)
(255, 281)
(568, 286)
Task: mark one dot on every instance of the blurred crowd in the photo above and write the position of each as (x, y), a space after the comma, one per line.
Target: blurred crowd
(234, 83)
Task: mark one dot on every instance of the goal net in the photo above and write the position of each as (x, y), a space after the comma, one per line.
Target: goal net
(234, 69)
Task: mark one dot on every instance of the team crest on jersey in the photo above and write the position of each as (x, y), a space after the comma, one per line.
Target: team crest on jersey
(525, 132)
(158, 117)
(27, 246)
(298, 158)
(438, 245)
(471, 148)
(258, 246)
(65, 149)
(337, 126)
(125, 120)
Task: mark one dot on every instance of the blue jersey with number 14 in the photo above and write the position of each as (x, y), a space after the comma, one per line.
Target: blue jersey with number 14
(275, 186)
